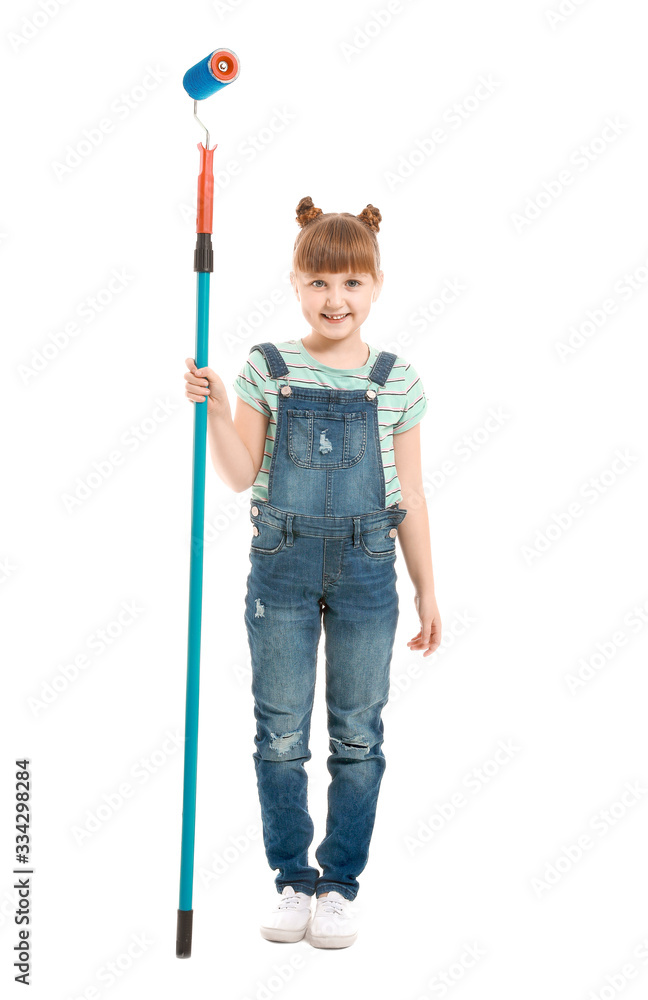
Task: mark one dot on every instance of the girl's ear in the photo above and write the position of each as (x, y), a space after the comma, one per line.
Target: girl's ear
(293, 282)
(378, 286)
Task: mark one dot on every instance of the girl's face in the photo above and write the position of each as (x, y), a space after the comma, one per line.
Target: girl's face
(327, 295)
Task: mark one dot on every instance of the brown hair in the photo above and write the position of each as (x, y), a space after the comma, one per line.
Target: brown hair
(337, 241)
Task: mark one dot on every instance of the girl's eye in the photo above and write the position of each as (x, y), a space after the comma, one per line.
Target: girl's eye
(317, 281)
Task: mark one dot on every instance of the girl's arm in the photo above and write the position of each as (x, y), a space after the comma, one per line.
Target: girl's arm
(414, 535)
(236, 444)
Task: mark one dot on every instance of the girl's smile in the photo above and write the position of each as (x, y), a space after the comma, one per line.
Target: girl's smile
(335, 319)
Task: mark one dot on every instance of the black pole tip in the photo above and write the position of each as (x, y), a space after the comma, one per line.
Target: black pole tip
(183, 934)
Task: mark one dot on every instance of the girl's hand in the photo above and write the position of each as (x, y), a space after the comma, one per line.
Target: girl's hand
(203, 383)
(429, 636)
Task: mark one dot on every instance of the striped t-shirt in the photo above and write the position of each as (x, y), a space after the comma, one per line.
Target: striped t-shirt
(401, 402)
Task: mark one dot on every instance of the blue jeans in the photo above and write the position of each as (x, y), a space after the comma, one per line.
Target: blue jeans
(304, 570)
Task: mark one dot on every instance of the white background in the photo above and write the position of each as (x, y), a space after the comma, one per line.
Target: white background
(529, 593)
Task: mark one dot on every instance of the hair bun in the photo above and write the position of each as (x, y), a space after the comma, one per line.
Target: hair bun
(306, 211)
(371, 217)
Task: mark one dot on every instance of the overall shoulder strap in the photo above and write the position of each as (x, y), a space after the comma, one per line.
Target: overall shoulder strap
(273, 356)
(382, 367)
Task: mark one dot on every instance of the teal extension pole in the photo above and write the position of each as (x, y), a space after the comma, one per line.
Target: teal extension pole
(205, 78)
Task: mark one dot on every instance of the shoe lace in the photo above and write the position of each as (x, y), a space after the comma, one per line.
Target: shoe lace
(331, 905)
(288, 903)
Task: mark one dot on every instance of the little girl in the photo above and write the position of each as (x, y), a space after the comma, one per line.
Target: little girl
(326, 433)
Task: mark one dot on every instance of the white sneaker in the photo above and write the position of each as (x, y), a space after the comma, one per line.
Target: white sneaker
(289, 918)
(335, 923)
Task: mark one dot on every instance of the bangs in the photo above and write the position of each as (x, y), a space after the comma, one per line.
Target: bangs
(337, 243)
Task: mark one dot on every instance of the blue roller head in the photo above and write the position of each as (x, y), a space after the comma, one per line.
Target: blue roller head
(211, 74)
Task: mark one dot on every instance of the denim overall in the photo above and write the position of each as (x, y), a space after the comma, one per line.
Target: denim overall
(323, 548)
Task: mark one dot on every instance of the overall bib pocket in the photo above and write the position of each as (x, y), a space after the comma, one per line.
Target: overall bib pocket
(322, 440)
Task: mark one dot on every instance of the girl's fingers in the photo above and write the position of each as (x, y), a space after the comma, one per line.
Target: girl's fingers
(195, 384)
(196, 379)
(199, 376)
(199, 372)
(198, 389)
(432, 640)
